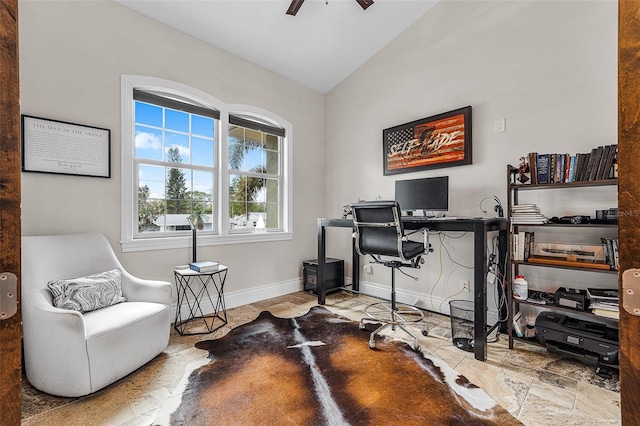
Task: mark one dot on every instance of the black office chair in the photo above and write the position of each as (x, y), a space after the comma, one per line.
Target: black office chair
(378, 231)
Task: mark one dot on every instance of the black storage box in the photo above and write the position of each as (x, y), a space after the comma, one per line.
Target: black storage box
(572, 298)
(590, 342)
(333, 274)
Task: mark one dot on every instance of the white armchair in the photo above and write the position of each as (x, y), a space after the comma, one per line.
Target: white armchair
(69, 353)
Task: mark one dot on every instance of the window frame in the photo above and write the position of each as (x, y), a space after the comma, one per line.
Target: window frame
(130, 240)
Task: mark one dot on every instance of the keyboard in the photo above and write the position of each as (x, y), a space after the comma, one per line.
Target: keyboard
(422, 219)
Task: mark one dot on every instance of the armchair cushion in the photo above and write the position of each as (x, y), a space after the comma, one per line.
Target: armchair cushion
(88, 293)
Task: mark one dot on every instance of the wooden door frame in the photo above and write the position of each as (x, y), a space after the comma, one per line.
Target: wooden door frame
(629, 197)
(10, 329)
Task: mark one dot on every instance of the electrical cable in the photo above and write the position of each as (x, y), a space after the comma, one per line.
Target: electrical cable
(449, 254)
(449, 297)
(442, 247)
(500, 300)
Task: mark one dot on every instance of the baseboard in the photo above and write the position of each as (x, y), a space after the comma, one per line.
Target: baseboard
(424, 301)
(256, 294)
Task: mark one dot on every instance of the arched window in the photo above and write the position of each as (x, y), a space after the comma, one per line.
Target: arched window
(190, 160)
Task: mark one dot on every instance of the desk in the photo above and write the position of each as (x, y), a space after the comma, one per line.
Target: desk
(479, 227)
(186, 281)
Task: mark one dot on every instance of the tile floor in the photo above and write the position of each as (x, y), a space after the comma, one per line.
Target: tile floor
(536, 387)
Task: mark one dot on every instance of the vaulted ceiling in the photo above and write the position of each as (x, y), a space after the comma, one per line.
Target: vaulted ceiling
(318, 48)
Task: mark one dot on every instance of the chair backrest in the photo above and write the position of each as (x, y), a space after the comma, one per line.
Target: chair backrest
(378, 228)
(54, 257)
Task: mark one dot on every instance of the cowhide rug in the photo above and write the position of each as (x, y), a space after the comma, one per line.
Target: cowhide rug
(317, 369)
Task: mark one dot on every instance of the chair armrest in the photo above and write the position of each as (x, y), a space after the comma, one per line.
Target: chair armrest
(54, 346)
(37, 305)
(140, 290)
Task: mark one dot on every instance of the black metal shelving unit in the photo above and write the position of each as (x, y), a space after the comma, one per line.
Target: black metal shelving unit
(513, 191)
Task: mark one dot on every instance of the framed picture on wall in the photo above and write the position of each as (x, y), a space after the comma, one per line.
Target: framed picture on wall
(443, 140)
(50, 146)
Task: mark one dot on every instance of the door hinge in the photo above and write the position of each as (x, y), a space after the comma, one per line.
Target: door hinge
(8, 295)
(631, 291)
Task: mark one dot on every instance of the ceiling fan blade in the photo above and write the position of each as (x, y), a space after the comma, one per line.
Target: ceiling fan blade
(365, 3)
(294, 7)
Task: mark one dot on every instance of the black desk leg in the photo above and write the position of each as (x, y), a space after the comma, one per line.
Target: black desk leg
(355, 267)
(320, 287)
(479, 291)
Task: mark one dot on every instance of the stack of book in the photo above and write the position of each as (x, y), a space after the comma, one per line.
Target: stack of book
(527, 214)
(204, 266)
(599, 164)
(604, 302)
(523, 243)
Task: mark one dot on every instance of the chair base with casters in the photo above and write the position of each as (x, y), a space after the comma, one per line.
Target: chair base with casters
(391, 314)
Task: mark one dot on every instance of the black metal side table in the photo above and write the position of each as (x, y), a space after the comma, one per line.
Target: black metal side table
(195, 289)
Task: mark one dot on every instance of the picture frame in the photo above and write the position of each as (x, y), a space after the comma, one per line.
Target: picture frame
(60, 147)
(442, 140)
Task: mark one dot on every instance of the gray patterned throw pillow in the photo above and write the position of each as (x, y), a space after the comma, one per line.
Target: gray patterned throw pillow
(88, 293)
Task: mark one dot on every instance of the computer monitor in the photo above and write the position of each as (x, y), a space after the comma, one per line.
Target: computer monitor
(427, 194)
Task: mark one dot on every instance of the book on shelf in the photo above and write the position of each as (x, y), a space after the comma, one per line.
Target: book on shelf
(601, 304)
(204, 266)
(600, 174)
(593, 172)
(533, 167)
(589, 167)
(521, 241)
(580, 162)
(561, 167)
(608, 167)
(527, 245)
(542, 172)
(606, 313)
(571, 175)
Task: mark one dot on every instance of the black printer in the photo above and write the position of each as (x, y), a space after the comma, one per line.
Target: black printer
(592, 343)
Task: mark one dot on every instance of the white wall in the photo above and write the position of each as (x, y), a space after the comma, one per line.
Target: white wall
(72, 55)
(549, 68)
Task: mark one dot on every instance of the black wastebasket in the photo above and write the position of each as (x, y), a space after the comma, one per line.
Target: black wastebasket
(462, 324)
